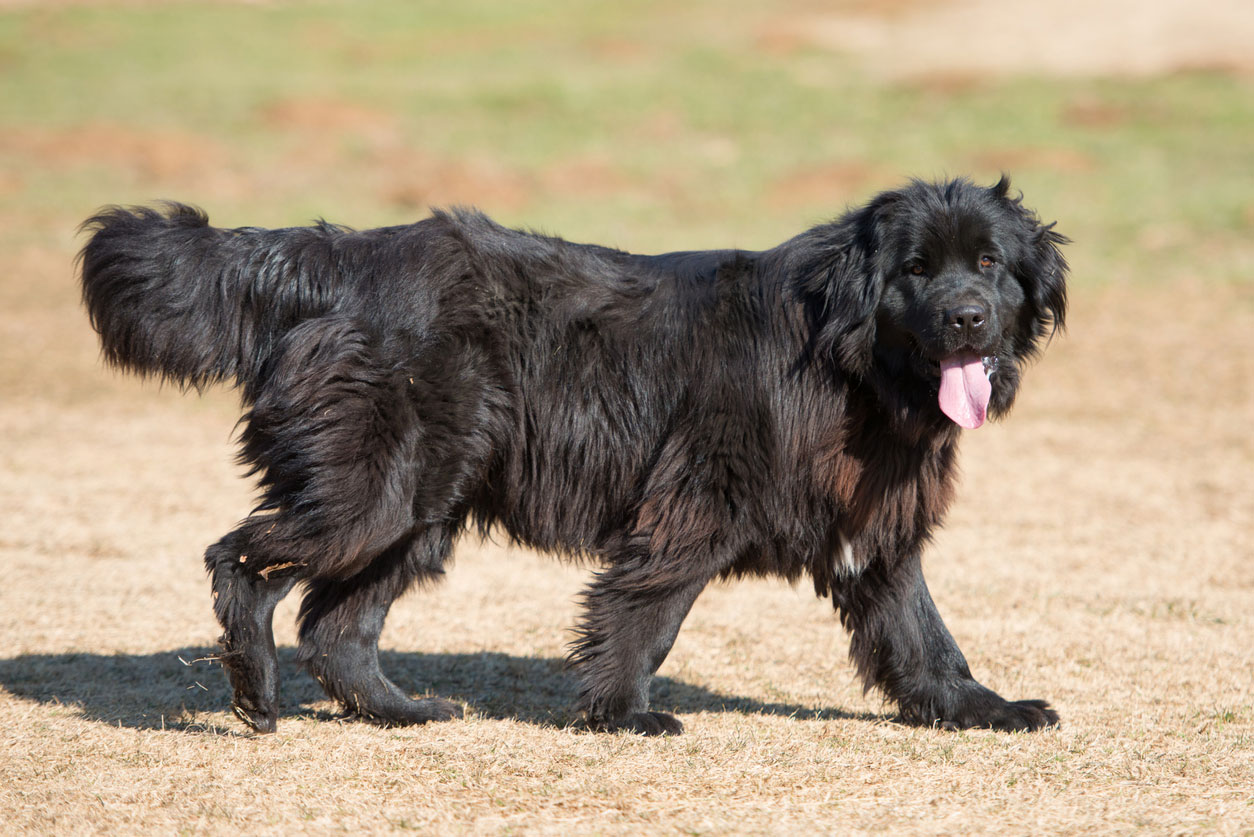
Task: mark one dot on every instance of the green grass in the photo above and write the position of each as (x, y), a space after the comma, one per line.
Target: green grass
(686, 106)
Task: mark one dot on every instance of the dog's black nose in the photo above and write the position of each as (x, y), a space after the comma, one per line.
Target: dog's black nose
(968, 320)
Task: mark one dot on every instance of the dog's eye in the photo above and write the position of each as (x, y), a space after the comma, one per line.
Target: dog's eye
(915, 269)
(986, 261)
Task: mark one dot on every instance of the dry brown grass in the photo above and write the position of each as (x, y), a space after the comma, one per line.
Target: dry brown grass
(1100, 556)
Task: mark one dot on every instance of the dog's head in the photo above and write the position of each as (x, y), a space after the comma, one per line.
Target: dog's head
(945, 289)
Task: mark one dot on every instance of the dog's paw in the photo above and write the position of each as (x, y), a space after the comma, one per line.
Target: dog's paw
(396, 713)
(438, 709)
(975, 707)
(262, 719)
(642, 723)
(254, 686)
(1021, 716)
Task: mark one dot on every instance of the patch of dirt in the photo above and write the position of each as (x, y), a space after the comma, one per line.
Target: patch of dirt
(10, 183)
(1068, 160)
(318, 115)
(417, 180)
(816, 185)
(1063, 37)
(413, 178)
(608, 47)
(586, 177)
(28, 4)
(158, 153)
(1092, 112)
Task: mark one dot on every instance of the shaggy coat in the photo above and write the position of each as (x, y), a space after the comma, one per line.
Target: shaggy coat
(676, 418)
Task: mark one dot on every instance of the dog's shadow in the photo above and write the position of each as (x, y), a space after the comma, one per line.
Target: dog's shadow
(183, 689)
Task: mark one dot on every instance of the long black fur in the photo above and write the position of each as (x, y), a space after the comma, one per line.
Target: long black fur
(675, 418)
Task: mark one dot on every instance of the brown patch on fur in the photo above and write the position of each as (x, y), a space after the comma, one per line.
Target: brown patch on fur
(842, 474)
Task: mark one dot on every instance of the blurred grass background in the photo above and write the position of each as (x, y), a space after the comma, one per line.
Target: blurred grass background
(647, 126)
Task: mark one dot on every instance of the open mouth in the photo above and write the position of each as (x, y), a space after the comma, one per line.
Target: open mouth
(989, 362)
(966, 384)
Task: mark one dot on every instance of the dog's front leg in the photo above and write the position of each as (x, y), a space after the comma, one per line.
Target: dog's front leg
(901, 646)
(629, 625)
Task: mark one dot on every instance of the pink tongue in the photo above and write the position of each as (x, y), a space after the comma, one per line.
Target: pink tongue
(964, 389)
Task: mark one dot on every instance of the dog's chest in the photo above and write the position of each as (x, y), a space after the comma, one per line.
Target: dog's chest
(888, 499)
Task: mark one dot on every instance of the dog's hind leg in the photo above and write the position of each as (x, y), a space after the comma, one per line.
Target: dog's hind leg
(244, 599)
(340, 623)
(334, 435)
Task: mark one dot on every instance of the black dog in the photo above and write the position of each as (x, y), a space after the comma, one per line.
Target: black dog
(677, 418)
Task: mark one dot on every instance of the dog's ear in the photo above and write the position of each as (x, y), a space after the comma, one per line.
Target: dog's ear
(1045, 272)
(1041, 269)
(844, 284)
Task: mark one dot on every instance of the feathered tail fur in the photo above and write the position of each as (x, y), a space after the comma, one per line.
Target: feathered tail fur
(174, 297)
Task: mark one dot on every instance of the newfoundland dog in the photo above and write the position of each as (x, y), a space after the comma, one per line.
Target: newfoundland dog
(676, 418)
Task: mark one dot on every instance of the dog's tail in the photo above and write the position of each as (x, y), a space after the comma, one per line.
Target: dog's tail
(174, 297)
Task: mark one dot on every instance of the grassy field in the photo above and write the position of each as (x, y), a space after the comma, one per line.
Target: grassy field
(1101, 554)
